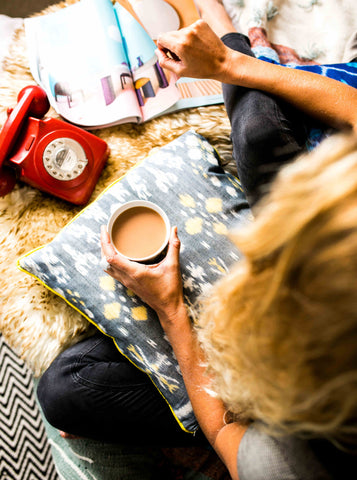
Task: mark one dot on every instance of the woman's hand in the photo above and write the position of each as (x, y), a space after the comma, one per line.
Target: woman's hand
(194, 51)
(159, 285)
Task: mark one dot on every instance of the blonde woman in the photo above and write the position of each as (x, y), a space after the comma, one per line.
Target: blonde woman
(279, 332)
(276, 341)
(271, 367)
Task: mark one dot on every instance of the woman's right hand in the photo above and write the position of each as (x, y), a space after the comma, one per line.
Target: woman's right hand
(158, 285)
(194, 51)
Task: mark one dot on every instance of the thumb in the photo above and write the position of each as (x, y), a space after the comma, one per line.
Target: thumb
(173, 253)
(167, 62)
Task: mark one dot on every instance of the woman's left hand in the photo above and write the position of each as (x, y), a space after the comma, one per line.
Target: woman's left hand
(159, 285)
(194, 51)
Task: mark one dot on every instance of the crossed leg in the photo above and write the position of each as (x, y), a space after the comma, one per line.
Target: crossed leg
(266, 132)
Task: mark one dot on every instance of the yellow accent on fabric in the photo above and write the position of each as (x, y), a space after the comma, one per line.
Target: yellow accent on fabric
(107, 283)
(111, 310)
(170, 386)
(220, 228)
(213, 262)
(194, 225)
(187, 201)
(214, 205)
(236, 183)
(139, 313)
(132, 349)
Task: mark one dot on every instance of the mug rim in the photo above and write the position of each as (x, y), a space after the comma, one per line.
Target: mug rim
(140, 203)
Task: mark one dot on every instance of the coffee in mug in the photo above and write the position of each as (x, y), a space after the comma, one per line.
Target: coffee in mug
(139, 230)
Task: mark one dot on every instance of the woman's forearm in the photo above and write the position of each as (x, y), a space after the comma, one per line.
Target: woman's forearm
(326, 99)
(209, 411)
(199, 53)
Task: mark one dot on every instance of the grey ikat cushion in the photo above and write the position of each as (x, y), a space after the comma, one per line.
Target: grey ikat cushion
(184, 178)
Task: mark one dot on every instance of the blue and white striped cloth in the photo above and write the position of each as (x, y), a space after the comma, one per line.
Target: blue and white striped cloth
(343, 72)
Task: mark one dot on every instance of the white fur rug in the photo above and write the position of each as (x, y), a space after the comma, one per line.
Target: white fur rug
(35, 322)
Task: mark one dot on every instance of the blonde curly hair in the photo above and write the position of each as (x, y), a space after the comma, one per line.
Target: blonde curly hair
(280, 330)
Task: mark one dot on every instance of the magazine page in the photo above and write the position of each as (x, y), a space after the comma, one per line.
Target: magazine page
(197, 93)
(155, 88)
(78, 57)
(160, 16)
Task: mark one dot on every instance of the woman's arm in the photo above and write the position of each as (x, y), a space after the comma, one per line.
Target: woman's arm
(209, 411)
(160, 286)
(196, 51)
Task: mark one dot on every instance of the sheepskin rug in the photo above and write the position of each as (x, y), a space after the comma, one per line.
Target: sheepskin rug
(35, 322)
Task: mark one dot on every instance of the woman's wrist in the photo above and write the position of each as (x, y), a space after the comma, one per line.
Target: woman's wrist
(174, 317)
(234, 68)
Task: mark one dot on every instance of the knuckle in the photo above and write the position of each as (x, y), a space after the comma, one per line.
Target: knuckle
(196, 27)
(110, 259)
(185, 42)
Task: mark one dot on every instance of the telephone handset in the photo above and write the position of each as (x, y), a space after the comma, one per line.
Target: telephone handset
(48, 154)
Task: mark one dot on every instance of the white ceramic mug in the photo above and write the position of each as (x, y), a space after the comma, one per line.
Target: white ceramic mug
(137, 233)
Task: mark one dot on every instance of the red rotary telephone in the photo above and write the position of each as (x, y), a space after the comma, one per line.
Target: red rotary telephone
(49, 154)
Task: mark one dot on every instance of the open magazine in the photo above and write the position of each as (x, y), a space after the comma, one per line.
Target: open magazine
(97, 62)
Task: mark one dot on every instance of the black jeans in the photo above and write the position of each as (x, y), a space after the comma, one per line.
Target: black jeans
(266, 132)
(92, 390)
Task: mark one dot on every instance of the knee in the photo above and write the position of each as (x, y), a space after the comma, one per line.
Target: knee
(53, 393)
(257, 132)
(262, 124)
